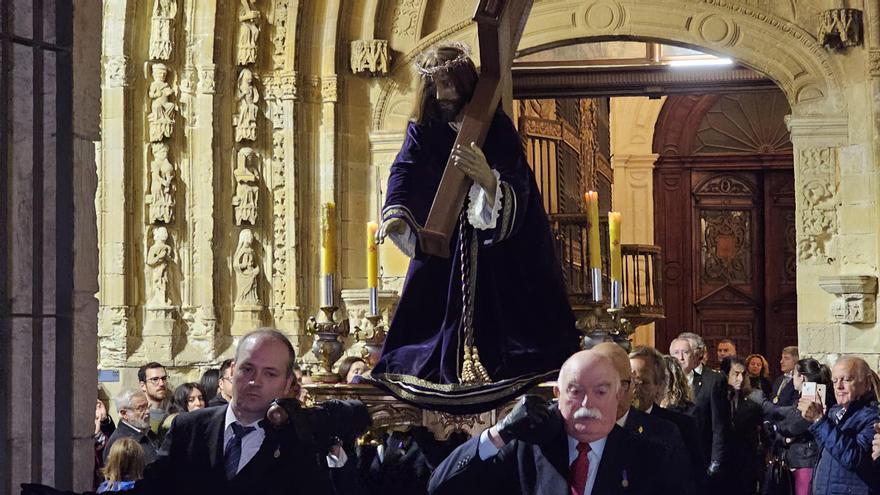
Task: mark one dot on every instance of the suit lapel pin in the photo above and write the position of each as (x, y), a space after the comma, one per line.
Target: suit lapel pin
(624, 483)
(641, 429)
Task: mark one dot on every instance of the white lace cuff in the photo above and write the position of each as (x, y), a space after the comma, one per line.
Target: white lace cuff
(405, 241)
(334, 461)
(481, 214)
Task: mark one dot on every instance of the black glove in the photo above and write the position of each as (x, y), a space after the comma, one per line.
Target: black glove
(530, 421)
(714, 468)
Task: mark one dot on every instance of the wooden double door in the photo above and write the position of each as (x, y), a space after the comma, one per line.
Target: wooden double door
(727, 229)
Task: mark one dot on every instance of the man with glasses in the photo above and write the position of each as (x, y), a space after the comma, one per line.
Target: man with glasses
(134, 415)
(224, 385)
(660, 432)
(154, 384)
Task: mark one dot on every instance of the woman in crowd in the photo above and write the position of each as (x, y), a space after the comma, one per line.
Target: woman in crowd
(187, 397)
(678, 396)
(210, 382)
(125, 465)
(351, 368)
(759, 373)
(744, 448)
(799, 449)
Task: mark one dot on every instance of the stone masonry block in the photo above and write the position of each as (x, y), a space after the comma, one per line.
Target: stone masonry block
(858, 338)
(859, 219)
(819, 339)
(857, 189)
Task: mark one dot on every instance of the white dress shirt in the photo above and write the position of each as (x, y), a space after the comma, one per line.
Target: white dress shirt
(487, 449)
(251, 442)
(690, 376)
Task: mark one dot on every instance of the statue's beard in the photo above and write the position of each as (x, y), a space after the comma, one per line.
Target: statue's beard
(449, 109)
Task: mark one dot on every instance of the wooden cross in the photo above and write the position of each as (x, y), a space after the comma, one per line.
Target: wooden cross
(500, 24)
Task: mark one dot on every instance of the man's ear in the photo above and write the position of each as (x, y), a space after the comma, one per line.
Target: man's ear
(556, 391)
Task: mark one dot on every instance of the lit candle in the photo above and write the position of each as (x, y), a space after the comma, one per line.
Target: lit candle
(328, 239)
(372, 256)
(614, 244)
(592, 199)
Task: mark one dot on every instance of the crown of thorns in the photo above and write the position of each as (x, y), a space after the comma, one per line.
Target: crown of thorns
(462, 59)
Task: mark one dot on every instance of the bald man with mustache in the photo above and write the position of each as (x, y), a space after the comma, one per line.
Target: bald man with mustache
(572, 446)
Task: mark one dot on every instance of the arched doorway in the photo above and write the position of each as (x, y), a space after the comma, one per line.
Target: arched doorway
(724, 216)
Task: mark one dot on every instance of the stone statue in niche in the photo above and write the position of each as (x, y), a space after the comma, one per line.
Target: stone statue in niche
(246, 118)
(162, 29)
(248, 33)
(246, 270)
(247, 187)
(162, 107)
(159, 257)
(162, 176)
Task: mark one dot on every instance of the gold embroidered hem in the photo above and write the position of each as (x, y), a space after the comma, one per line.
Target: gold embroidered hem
(457, 398)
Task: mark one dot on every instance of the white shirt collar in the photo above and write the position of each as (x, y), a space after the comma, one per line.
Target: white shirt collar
(650, 408)
(622, 420)
(230, 418)
(596, 447)
(699, 369)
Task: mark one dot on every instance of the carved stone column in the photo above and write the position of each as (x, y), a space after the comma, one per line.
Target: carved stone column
(117, 325)
(817, 143)
(198, 310)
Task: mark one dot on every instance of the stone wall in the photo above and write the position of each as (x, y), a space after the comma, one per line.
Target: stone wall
(265, 118)
(49, 93)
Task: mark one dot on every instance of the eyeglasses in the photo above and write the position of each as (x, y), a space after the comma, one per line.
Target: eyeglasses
(156, 379)
(227, 378)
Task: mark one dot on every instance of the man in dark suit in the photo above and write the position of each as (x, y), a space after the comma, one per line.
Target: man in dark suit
(662, 433)
(134, 422)
(710, 410)
(784, 393)
(572, 447)
(224, 385)
(233, 449)
(649, 380)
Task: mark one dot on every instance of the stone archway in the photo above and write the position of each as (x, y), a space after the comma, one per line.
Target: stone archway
(827, 151)
(799, 65)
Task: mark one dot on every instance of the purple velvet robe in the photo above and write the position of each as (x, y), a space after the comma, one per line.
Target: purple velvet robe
(523, 325)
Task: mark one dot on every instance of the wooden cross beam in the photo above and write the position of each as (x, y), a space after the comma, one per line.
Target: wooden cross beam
(500, 24)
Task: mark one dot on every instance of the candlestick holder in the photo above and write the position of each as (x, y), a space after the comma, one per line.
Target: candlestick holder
(328, 346)
(600, 324)
(373, 336)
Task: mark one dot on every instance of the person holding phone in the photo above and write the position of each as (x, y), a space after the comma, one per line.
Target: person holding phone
(796, 445)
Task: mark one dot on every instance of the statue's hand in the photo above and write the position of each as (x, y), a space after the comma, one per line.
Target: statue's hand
(472, 162)
(391, 226)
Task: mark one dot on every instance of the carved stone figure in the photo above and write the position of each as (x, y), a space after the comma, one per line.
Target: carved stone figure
(162, 109)
(247, 187)
(246, 269)
(246, 118)
(162, 187)
(248, 33)
(162, 29)
(280, 37)
(159, 257)
(370, 56)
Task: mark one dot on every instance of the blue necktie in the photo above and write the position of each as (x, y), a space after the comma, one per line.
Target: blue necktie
(233, 449)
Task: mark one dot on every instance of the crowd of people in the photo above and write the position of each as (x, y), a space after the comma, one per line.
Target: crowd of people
(651, 423)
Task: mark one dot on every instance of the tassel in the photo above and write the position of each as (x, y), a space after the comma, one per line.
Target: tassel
(473, 372)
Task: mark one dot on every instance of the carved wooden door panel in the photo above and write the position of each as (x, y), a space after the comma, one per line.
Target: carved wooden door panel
(780, 264)
(727, 258)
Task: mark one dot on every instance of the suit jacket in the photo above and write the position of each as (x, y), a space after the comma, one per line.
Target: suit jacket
(690, 434)
(147, 441)
(629, 465)
(712, 412)
(788, 396)
(191, 461)
(666, 436)
(218, 400)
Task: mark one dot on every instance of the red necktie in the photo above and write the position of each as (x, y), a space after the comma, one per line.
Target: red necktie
(577, 474)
